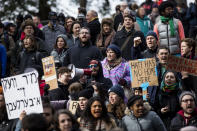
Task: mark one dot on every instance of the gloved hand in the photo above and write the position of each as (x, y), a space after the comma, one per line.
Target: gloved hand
(122, 82)
(46, 88)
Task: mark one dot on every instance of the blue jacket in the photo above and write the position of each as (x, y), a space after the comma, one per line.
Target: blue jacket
(191, 15)
(3, 60)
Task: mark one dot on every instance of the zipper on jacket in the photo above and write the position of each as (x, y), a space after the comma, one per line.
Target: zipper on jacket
(168, 39)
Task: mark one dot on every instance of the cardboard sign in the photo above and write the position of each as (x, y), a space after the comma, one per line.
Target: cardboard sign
(180, 64)
(50, 72)
(143, 73)
(22, 92)
(73, 106)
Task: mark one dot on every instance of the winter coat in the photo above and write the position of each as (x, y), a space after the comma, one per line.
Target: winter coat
(80, 55)
(145, 24)
(3, 60)
(138, 54)
(122, 70)
(60, 93)
(51, 34)
(59, 58)
(172, 101)
(121, 37)
(117, 20)
(104, 39)
(97, 125)
(10, 46)
(70, 41)
(149, 122)
(179, 121)
(191, 15)
(95, 29)
(165, 39)
(29, 59)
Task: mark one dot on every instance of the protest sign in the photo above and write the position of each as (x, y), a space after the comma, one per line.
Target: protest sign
(50, 72)
(73, 106)
(22, 92)
(180, 64)
(143, 72)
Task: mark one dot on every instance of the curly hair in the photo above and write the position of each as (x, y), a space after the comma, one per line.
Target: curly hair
(87, 115)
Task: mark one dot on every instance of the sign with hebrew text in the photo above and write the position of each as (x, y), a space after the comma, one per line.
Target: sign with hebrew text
(22, 92)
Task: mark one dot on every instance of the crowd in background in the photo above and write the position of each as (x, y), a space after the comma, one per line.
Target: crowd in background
(103, 49)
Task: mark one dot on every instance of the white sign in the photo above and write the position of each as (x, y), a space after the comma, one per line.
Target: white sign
(22, 92)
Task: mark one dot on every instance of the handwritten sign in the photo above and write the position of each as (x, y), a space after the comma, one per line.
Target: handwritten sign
(180, 64)
(22, 92)
(143, 72)
(73, 106)
(50, 72)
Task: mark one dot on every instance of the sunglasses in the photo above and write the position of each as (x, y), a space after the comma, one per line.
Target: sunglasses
(91, 66)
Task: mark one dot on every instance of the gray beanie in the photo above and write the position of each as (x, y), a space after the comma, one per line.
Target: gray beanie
(185, 93)
(64, 37)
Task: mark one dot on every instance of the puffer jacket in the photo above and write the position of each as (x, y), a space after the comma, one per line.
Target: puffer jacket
(165, 38)
(149, 122)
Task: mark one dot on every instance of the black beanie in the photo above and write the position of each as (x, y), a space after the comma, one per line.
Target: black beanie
(87, 93)
(132, 99)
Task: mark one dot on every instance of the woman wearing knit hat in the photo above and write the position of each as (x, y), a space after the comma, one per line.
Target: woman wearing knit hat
(59, 51)
(115, 67)
(116, 106)
(140, 119)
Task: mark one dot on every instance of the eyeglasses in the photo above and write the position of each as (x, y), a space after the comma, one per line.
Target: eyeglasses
(84, 33)
(91, 66)
(187, 100)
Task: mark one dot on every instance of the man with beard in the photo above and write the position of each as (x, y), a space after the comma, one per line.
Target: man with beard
(84, 52)
(188, 115)
(97, 75)
(168, 29)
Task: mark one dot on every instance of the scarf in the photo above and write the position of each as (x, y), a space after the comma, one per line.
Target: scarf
(170, 20)
(168, 88)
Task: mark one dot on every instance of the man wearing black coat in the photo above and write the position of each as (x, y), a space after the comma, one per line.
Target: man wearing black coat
(93, 24)
(150, 52)
(81, 54)
(188, 115)
(125, 37)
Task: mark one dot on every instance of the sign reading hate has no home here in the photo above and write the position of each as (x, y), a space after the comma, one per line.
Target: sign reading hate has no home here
(22, 92)
(143, 71)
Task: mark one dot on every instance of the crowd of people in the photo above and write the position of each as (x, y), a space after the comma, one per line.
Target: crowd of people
(106, 99)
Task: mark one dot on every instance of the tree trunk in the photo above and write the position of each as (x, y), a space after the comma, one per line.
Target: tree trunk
(44, 9)
(83, 3)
